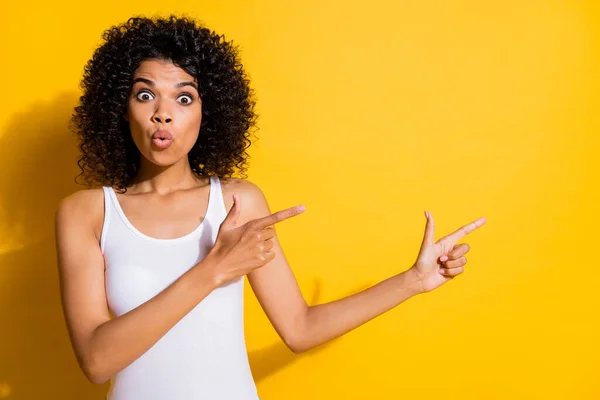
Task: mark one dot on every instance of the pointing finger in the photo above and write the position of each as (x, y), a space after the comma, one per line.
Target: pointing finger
(279, 216)
(464, 230)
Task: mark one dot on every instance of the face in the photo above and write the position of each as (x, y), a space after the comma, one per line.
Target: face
(164, 112)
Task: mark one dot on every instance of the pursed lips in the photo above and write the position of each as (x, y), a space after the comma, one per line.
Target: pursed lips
(162, 139)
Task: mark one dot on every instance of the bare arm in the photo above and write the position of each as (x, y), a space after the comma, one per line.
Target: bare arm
(302, 327)
(327, 321)
(104, 346)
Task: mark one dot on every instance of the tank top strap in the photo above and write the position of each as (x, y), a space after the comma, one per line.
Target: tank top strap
(108, 211)
(217, 202)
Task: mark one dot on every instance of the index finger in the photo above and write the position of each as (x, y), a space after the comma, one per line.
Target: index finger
(465, 230)
(279, 216)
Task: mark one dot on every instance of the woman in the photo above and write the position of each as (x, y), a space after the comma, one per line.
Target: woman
(152, 259)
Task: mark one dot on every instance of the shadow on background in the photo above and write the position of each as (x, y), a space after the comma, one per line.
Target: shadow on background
(38, 158)
(268, 360)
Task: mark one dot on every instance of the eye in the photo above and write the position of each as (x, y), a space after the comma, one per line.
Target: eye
(144, 96)
(186, 99)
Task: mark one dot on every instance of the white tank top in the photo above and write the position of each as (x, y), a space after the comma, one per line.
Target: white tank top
(203, 357)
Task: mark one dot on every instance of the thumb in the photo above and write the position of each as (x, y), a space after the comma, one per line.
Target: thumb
(429, 228)
(231, 219)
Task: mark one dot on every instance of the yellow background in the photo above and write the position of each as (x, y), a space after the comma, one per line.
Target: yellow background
(370, 113)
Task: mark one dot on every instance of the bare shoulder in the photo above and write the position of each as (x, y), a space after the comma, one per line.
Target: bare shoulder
(84, 208)
(243, 187)
(252, 199)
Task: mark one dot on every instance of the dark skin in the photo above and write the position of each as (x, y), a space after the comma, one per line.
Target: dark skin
(166, 201)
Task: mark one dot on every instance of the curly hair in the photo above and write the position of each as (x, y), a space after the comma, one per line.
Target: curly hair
(109, 156)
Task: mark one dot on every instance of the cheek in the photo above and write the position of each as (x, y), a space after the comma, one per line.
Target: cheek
(138, 116)
(137, 129)
(193, 117)
(191, 126)
(137, 133)
(190, 140)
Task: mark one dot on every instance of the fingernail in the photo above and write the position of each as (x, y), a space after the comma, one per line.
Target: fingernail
(443, 258)
(301, 208)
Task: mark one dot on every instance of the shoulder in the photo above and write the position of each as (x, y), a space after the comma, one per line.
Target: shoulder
(252, 199)
(84, 208)
(81, 202)
(243, 187)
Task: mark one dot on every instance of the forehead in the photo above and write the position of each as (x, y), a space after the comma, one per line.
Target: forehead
(162, 70)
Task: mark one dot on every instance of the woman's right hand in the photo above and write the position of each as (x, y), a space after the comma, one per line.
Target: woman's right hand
(239, 250)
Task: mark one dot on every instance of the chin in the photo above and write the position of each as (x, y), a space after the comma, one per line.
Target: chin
(163, 158)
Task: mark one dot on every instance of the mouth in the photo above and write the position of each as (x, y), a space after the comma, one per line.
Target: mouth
(162, 135)
(162, 139)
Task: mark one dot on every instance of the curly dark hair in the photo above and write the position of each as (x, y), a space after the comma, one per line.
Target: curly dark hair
(109, 156)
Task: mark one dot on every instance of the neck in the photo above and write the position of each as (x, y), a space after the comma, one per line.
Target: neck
(164, 179)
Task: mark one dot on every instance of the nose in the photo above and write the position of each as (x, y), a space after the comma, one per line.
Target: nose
(162, 115)
(161, 118)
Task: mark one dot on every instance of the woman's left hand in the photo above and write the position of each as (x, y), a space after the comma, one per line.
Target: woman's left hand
(438, 262)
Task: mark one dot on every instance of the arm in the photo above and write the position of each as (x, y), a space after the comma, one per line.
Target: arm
(325, 322)
(103, 346)
(302, 327)
(437, 263)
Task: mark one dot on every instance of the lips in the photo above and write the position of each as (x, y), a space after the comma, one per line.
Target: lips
(162, 139)
(164, 135)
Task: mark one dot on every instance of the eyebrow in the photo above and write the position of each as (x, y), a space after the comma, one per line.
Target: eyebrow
(150, 83)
